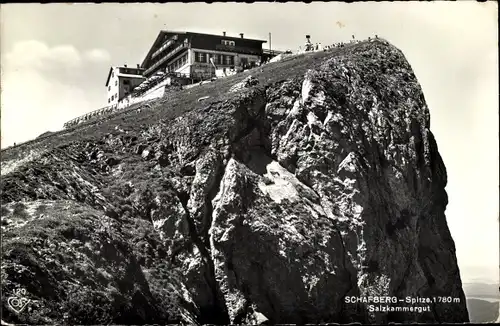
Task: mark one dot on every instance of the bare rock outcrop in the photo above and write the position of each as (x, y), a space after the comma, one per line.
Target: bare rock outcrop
(245, 83)
(279, 199)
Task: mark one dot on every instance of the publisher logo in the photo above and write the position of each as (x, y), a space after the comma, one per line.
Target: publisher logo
(18, 301)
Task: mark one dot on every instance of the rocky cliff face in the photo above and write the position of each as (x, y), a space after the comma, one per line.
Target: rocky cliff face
(315, 180)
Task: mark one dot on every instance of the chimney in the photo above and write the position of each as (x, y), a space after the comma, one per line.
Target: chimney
(223, 33)
(138, 66)
(241, 34)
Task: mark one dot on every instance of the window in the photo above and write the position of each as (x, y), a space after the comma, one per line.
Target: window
(218, 59)
(109, 87)
(126, 82)
(229, 60)
(112, 97)
(109, 100)
(200, 57)
(116, 82)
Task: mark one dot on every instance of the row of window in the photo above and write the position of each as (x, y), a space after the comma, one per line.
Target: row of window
(116, 84)
(112, 98)
(219, 59)
(125, 82)
(132, 71)
(178, 63)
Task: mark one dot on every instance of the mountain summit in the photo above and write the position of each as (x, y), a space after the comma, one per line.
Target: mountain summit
(297, 192)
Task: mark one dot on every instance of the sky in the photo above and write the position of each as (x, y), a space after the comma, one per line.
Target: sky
(55, 59)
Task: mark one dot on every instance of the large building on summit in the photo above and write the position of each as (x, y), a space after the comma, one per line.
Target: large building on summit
(190, 54)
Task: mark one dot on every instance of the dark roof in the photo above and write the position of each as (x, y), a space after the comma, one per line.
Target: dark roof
(109, 75)
(168, 33)
(228, 37)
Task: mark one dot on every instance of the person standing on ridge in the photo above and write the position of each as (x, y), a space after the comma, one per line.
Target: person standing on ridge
(308, 46)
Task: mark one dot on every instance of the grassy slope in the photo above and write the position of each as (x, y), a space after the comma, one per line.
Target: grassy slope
(174, 105)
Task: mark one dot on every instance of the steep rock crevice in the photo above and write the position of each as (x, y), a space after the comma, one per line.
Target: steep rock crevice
(215, 313)
(208, 170)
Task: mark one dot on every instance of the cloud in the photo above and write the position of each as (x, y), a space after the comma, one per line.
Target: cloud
(42, 88)
(31, 54)
(27, 55)
(66, 55)
(32, 104)
(97, 55)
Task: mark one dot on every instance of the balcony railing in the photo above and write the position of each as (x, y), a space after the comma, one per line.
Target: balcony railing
(165, 45)
(165, 58)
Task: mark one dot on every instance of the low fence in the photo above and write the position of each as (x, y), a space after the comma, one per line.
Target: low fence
(88, 116)
(81, 124)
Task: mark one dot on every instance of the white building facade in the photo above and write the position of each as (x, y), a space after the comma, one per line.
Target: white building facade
(121, 81)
